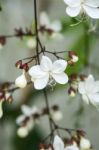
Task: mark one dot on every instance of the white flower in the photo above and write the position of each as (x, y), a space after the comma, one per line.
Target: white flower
(45, 21)
(21, 81)
(89, 89)
(90, 7)
(85, 143)
(27, 112)
(24, 130)
(59, 145)
(47, 71)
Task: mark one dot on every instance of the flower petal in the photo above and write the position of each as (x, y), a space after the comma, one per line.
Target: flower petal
(55, 26)
(73, 11)
(20, 119)
(94, 98)
(72, 3)
(58, 143)
(41, 83)
(92, 11)
(61, 78)
(81, 88)
(72, 147)
(36, 72)
(59, 66)
(26, 110)
(89, 84)
(96, 87)
(44, 20)
(46, 63)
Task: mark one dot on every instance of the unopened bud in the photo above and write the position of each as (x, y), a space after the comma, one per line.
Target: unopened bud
(73, 56)
(22, 132)
(72, 92)
(19, 64)
(21, 81)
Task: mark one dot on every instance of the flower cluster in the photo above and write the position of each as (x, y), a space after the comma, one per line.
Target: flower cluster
(31, 116)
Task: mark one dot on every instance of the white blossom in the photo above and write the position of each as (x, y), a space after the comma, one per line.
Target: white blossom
(24, 130)
(59, 145)
(21, 81)
(47, 71)
(89, 89)
(90, 7)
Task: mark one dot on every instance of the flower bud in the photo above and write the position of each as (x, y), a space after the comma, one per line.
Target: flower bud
(25, 67)
(19, 64)
(2, 41)
(72, 92)
(21, 81)
(85, 143)
(31, 43)
(73, 56)
(22, 132)
(56, 114)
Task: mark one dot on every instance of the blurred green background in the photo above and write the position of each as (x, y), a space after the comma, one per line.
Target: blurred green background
(16, 14)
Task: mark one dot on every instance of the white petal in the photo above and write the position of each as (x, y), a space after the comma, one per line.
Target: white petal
(46, 63)
(72, 147)
(41, 83)
(96, 87)
(1, 109)
(89, 84)
(92, 12)
(94, 98)
(21, 81)
(92, 3)
(81, 88)
(34, 109)
(20, 119)
(36, 72)
(72, 3)
(58, 143)
(61, 78)
(44, 20)
(22, 132)
(59, 66)
(73, 11)
(55, 26)
(26, 110)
